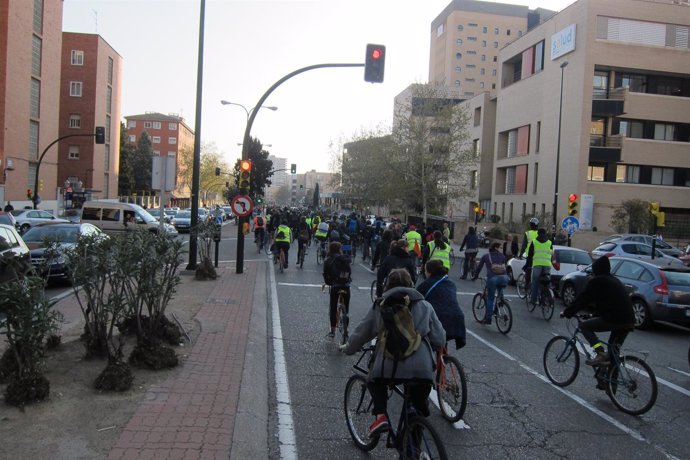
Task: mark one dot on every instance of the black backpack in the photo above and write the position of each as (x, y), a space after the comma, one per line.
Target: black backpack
(397, 337)
(340, 270)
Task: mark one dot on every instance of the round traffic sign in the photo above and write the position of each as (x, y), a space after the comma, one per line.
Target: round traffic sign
(242, 205)
(570, 224)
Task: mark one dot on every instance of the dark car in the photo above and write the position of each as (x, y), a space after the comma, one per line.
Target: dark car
(66, 236)
(7, 218)
(657, 293)
(14, 254)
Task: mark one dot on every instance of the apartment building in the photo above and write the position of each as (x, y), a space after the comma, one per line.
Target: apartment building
(30, 47)
(595, 102)
(279, 181)
(466, 39)
(90, 95)
(170, 136)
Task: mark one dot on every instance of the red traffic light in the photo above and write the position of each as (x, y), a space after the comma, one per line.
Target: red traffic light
(375, 63)
(245, 165)
(376, 53)
(572, 197)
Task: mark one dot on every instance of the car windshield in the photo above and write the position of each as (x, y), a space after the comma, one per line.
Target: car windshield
(52, 232)
(154, 212)
(574, 257)
(184, 215)
(606, 247)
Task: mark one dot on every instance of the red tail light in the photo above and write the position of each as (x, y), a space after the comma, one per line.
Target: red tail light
(556, 265)
(663, 287)
(610, 254)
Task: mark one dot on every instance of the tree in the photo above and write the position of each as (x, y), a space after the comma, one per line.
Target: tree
(262, 169)
(633, 217)
(211, 187)
(316, 197)
(143, 163)
(126, 180)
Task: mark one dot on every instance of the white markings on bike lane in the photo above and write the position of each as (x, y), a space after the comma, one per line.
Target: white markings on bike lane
(625, 429)
(286, 428)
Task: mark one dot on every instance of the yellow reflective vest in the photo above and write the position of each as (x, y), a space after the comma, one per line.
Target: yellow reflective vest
(287, 234)
(412, 237)
(440, 254)
(531, 236)
(542, 253)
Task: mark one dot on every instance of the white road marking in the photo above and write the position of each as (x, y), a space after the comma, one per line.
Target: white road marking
(679, 371)
(460, 424)
(286, 429)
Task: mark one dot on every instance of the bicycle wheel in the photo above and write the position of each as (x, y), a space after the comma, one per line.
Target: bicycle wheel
(452, 391)
(319, 255)
(267, 246)
(547, 304)
(373, 291)
(632, 385)
(358, 406)
(504, 316)
(281, 260)
(561, 361)
(301, 255)
(341, 320)
(452, 257)
(521, 286)
(420, 440)
(478, 306)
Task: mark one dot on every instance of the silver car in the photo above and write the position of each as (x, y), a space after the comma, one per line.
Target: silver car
(27, 218)
(634, 250)
(661, 245)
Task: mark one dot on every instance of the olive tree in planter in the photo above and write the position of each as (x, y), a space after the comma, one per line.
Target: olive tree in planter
(205, 232)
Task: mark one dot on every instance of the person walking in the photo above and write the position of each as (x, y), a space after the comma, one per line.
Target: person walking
(471, 245)
(9, 207)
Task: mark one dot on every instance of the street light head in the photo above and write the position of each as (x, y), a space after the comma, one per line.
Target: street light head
(270, 107)
(224, 102)
(563, 64)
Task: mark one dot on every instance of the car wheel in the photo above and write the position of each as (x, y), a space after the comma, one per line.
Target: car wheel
(568, 295)
(642, 316)
(24, 228)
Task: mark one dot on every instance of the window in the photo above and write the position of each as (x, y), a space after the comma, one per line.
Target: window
(482, 71)
(172, 126)
(36, 47)
(475, 147)
(481, 84)
(472, 24)
(483, 57)
(35, 98)
(171, 153)
(485, 29)
(634, 129)
(470, 66)
(495, 30)
(664, 132)
(33, 140)
(109, 99)
(460, 27)
(508, 32)
(156, 125)
(73, 152)
(156, 153)
(519, 33)
(458, 56)
(662, 176)
(495, 58)
(75, 121)
(596, 173)
(472, 52)
(156, 140)
(132, 124)
(110, 70)
(471, 39)
(539, 57)
(474, 179)
(538, 140)
(458, 41)
(469, 94)
(493, 72)
(471, 80)
(439, 30)
(535, 183)
(495, 44)
(484, 43)
(172, 140)
(38, 16)
(510, 181)
(107, 128)
(132, 138)
(457, 83)
(77, 57)
(75, 88)
(147, 124)
(458, 69)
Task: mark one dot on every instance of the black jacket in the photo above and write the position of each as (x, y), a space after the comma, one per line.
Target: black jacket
(398, 258)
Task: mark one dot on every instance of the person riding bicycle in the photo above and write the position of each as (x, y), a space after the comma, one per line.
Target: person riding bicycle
(382, 249)
(441, 293)
(496, 276)
(353, 226)
(471, 245)
(540, 252)
(397, 258)
(606, 296)
(303, 236)
(437, 249)
(530, 235)
(417, 370)
(283, 239)
(414, 241)
(260, 230)
(337, 274)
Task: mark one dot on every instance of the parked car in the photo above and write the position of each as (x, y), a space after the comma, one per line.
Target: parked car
(113, 217)
(657, 293)
(183, 221)
(27, 218)
(640, 251)
(66, 235)
(7, 218)
(567, 260)
(661, 245)
(685, 258)
(14, 254)
(73, 215)
(156, 213)
(228, 212)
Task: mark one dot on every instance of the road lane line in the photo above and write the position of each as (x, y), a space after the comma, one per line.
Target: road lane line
(460, 424)
(625, 429)
(367, 268)
(286, 428)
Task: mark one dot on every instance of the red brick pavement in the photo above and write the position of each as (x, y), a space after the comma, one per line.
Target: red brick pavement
(193, 415)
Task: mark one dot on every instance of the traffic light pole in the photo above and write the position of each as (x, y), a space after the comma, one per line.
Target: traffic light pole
(247, 138)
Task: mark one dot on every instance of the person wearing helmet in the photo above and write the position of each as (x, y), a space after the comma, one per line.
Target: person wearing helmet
(530, 236)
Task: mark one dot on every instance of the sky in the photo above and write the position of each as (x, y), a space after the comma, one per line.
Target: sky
(251, 44)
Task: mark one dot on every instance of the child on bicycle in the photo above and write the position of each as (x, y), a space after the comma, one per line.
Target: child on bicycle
(606, 296)
(417, 370)
(336, 274)
(495, 263)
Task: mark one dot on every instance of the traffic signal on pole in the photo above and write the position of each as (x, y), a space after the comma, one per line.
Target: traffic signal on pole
(661, 219)
(476, 209)
(293, 168)
(572, 204)
(375, 63)
(100, 135)
(217, 171)
(40, 185)
(29, 194)
(245, 174)
(654, 208)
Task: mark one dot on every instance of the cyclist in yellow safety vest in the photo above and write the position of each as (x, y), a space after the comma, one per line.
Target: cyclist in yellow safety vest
(315, 221)
(414, 241)
(541, 252)
(437, 249)
(530, 235)
(283, 239)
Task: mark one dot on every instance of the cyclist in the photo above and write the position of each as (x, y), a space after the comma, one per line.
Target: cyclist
(382, 248)
(283, 239)
(494, 278)
(606, 296)
(337, 274)
(441, 293)
(397, 258)
(530, 235)
(471, 245)
(417, 370)
(540, 252)
(414, 241)
(437, 249)
(303, 235)
(260, 230)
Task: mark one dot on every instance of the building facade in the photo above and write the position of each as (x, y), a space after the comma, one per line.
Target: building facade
(90, 95)
(595, 102)
(466, 39)
(30, 49)
(279, 190)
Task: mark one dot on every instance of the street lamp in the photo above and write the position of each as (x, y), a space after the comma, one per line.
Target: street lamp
(558, 152)
(249, 112)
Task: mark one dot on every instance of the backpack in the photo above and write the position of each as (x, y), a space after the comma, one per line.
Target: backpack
(397, 337)
(260, 221)
(340, 270)
(352, 226)
(304, 234)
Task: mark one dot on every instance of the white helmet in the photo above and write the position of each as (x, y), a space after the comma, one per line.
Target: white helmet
(534, 221)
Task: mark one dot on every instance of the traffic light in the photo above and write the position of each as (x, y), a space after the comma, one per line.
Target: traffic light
(29, 194)
(661, 219)
(217, 171)
(476, 209)
(572, 204)
(100, 135)
(245, 174)
(374, 63)
(40, 185)
(654, 208)
(293, 168)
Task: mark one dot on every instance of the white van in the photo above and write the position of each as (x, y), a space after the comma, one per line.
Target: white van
(113, 217)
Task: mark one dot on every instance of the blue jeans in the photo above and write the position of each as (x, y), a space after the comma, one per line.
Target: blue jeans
(537, 271)
(491, 286)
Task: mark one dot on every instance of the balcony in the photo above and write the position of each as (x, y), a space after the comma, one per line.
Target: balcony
(611, 104)
(604, 149)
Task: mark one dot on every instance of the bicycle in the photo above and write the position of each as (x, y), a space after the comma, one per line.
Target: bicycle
(502, 312)
(342, 320)
(414, 437)
(321, 252)
(451, 386)
(301, 252)
(268, 242)
(279, 257)
(521, 286)
(452, 256)
(628, 380)
(545, 298)
(373, 287)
